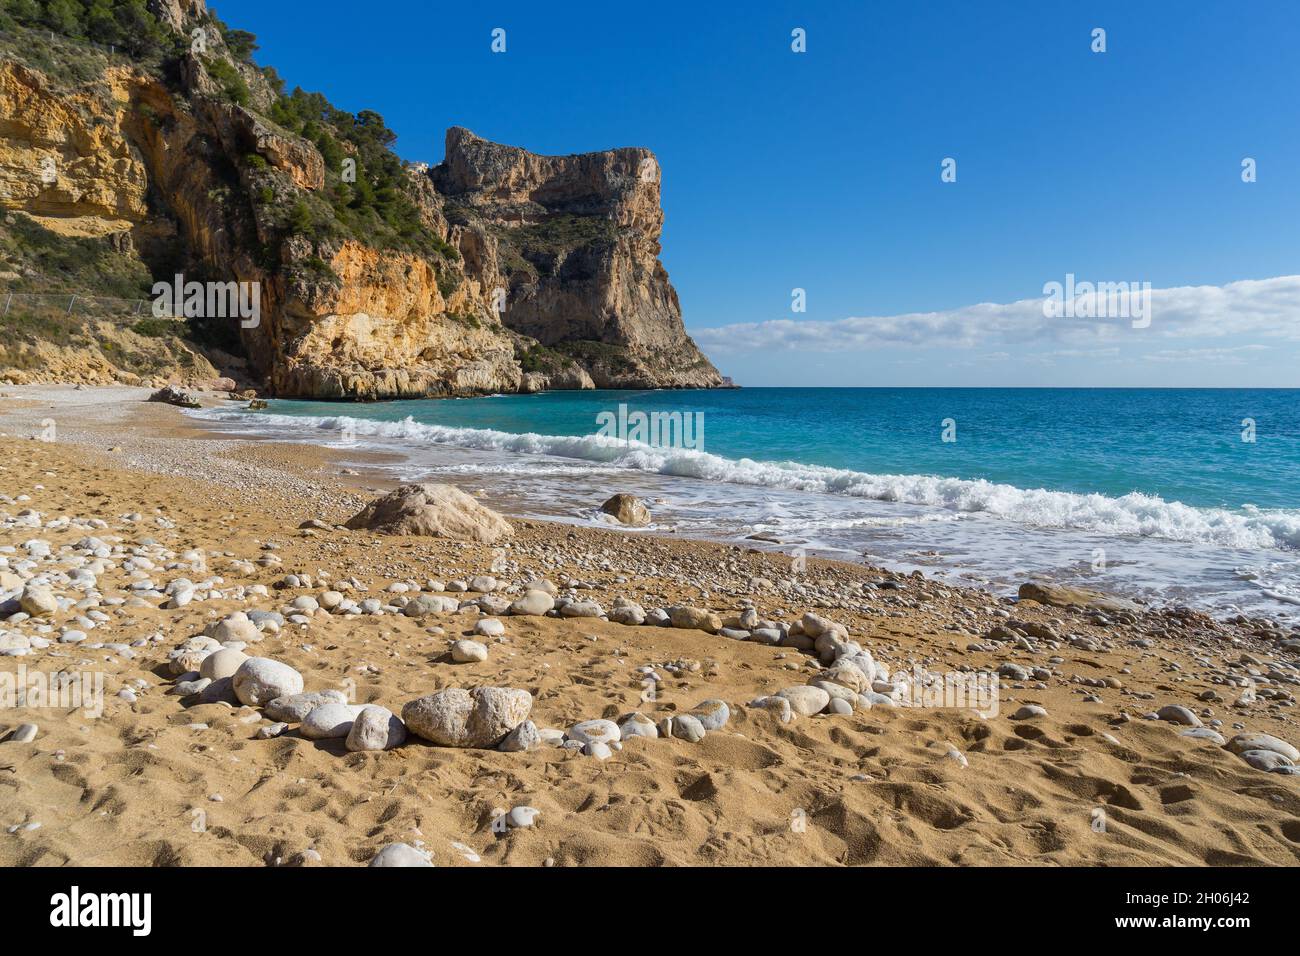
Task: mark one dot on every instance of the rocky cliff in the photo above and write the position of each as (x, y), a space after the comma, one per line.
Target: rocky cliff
(497, 270)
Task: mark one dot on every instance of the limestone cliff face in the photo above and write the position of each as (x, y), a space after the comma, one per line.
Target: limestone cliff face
(65, 160)
(546, 275)
(580, 237)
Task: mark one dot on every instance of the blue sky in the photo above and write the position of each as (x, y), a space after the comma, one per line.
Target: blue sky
(821, 170)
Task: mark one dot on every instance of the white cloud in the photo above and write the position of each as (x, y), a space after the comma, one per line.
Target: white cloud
(1228, 356)
(1266, 307)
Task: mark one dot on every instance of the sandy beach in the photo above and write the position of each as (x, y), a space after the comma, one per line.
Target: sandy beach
(1071, 765)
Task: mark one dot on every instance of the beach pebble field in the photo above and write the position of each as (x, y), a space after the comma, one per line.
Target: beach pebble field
(261, 684)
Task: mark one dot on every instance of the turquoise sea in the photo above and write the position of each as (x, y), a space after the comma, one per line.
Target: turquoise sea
(1176, 495)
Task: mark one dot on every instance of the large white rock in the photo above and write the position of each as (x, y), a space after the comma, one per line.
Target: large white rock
(261, 680)
(589, 731)
(805, 701)
(522, 738)
(234, 627)
(400, 854)
(328, 721)
(534, 603)
(712, 714)
(455, 717)
(1244, 742)
(376, 728)
(222, 663)
(683, 727)
(38, 600)
(442, 511)
(468, 652)
(638, 724)
(295, 707)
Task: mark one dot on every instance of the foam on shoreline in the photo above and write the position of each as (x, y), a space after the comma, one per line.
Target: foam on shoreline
(1134, 514)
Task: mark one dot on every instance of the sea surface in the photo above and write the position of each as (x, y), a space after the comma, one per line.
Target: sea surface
(1178, 496)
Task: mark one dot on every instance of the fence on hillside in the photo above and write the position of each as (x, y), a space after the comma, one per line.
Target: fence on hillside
(67, 308)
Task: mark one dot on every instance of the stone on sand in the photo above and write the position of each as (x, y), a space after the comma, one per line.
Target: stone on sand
(587, 731)
(489, 627)
(222, 663)
(1178, 714)
(534, 602)
(261, 680)
(1028, 711)
(376, 728)
(1267, 760)
(455, 717)
(294, 707)
(400, 854)
(805, 700)
(598, 749)
(437, 510)
(522, 738)
(328, 721)
(38, 600)
(234, 627)
(694, 618)
(468, 652)
(423, 604)
(712, 714)
(637, 724)
(1242, 743)
(684, 727)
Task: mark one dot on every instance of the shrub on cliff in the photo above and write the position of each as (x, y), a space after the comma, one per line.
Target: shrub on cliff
(124, 25)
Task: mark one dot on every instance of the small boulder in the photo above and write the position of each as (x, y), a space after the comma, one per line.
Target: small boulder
(400, 854)
(628, 510)
(534, 602)
(455, 717)
(328, 721)
(294, 707)
(376, 728)
(261, 680)
(222, 663)
(468, 652)
(694, 618)
(175, 395)
(587, 731)
(437, 510)
(804, 700)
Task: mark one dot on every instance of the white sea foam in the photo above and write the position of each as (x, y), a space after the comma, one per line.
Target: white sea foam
(1133, 514)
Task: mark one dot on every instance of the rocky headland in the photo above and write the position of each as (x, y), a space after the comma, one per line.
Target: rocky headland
(497, 270)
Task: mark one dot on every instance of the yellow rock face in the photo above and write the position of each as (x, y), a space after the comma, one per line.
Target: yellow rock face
(63, 157)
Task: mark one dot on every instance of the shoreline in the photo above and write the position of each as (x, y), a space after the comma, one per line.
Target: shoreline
(967, 532)
(878, 785)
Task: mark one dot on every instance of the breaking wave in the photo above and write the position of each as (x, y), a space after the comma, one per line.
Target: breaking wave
(1132, 514)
